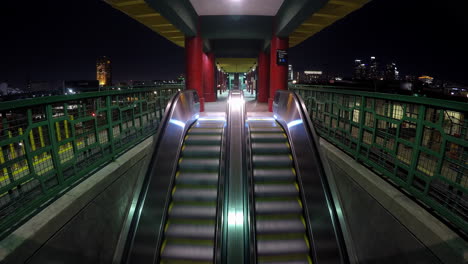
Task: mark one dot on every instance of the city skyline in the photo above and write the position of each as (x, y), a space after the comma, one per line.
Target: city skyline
(413, 37)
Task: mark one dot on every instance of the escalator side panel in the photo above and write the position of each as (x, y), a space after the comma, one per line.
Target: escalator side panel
(148, 221)
(319, 206)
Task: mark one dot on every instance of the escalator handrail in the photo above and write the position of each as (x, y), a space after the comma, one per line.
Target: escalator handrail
(168, 115)
(234, 258)
(331, 203)
(219, 242)
(332, 191)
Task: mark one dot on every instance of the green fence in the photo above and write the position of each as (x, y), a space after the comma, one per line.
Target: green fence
(420, 143)
(49, 144)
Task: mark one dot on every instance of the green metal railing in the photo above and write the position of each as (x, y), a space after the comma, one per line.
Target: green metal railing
(421, 144)
(49, 144)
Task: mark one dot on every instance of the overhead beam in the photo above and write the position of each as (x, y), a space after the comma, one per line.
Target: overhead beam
(293, 13)
(236, 27)
(148, 16)
(302, 19)
(236, 48)
(180, 13)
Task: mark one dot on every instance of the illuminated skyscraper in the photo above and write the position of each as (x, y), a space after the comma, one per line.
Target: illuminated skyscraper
(373, 73)
(290, 72)
(104, 71)
(391, 72)
(359, 70)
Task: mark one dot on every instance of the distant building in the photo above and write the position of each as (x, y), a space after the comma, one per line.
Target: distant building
(310, 77)
(290, 72)
(391, 72)
(360, 70)
(372, 73)
(81, 86)
(426, 79)
(104, 71)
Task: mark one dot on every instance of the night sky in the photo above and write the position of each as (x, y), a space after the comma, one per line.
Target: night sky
(60, 40)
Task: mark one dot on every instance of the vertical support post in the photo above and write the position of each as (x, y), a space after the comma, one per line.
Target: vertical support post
(209, 77)
(278, 73)
(110, 131)
(193, 61)
(263, 77)
(417, 144)
(53, 141)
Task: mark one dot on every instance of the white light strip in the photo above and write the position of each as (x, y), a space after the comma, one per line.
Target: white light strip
(177, 123)
(294, 123)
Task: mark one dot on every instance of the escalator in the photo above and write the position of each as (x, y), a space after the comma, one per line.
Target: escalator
(177, 212)
(281, 235)
(191, 224)
(234, 189)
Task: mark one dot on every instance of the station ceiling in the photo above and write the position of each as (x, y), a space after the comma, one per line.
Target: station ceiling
(236, 7)
(237, 28)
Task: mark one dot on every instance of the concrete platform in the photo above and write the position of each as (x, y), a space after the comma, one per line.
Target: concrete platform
(386, 226)
(83, 225)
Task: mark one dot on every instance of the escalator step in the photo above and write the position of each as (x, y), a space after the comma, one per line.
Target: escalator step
(203, 140)
(201, 151)
(190, 231)
(188, 252)
(205, 131)
(278, 207)
(274, 174)
(266, 130)
(195, 194)
(280, 226)
(263, 123)
(270, 148)
(210, 164)
(272, 160)
(197, 178)
(281, 247)
(179, 211)
(206, 124)
(268, 137)
(276, 190)
(301, 261)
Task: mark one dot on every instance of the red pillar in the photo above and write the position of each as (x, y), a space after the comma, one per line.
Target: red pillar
(263, 77)
(193, 61)
(278, 73)
(209, 77)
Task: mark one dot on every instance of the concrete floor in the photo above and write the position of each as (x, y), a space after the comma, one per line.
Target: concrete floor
(250, 103)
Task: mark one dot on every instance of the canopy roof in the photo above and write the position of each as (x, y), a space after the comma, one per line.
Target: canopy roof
(237, 28)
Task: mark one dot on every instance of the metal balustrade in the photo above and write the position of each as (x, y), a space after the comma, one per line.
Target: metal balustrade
(420, 144)
(49, 144)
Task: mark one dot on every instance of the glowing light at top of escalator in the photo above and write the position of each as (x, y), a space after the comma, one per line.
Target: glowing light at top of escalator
(294, 123)
(235, 218)
(236, 101)
(213, 118)
(177, 123)
(260, 119)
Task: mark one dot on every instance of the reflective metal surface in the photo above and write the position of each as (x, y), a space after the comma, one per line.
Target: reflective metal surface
(235, 231)
(150, 214)
(319, 205)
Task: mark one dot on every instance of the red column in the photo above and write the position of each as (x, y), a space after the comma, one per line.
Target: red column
(278, 73)
(193, 61)
(209, 77)
(263, 77)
